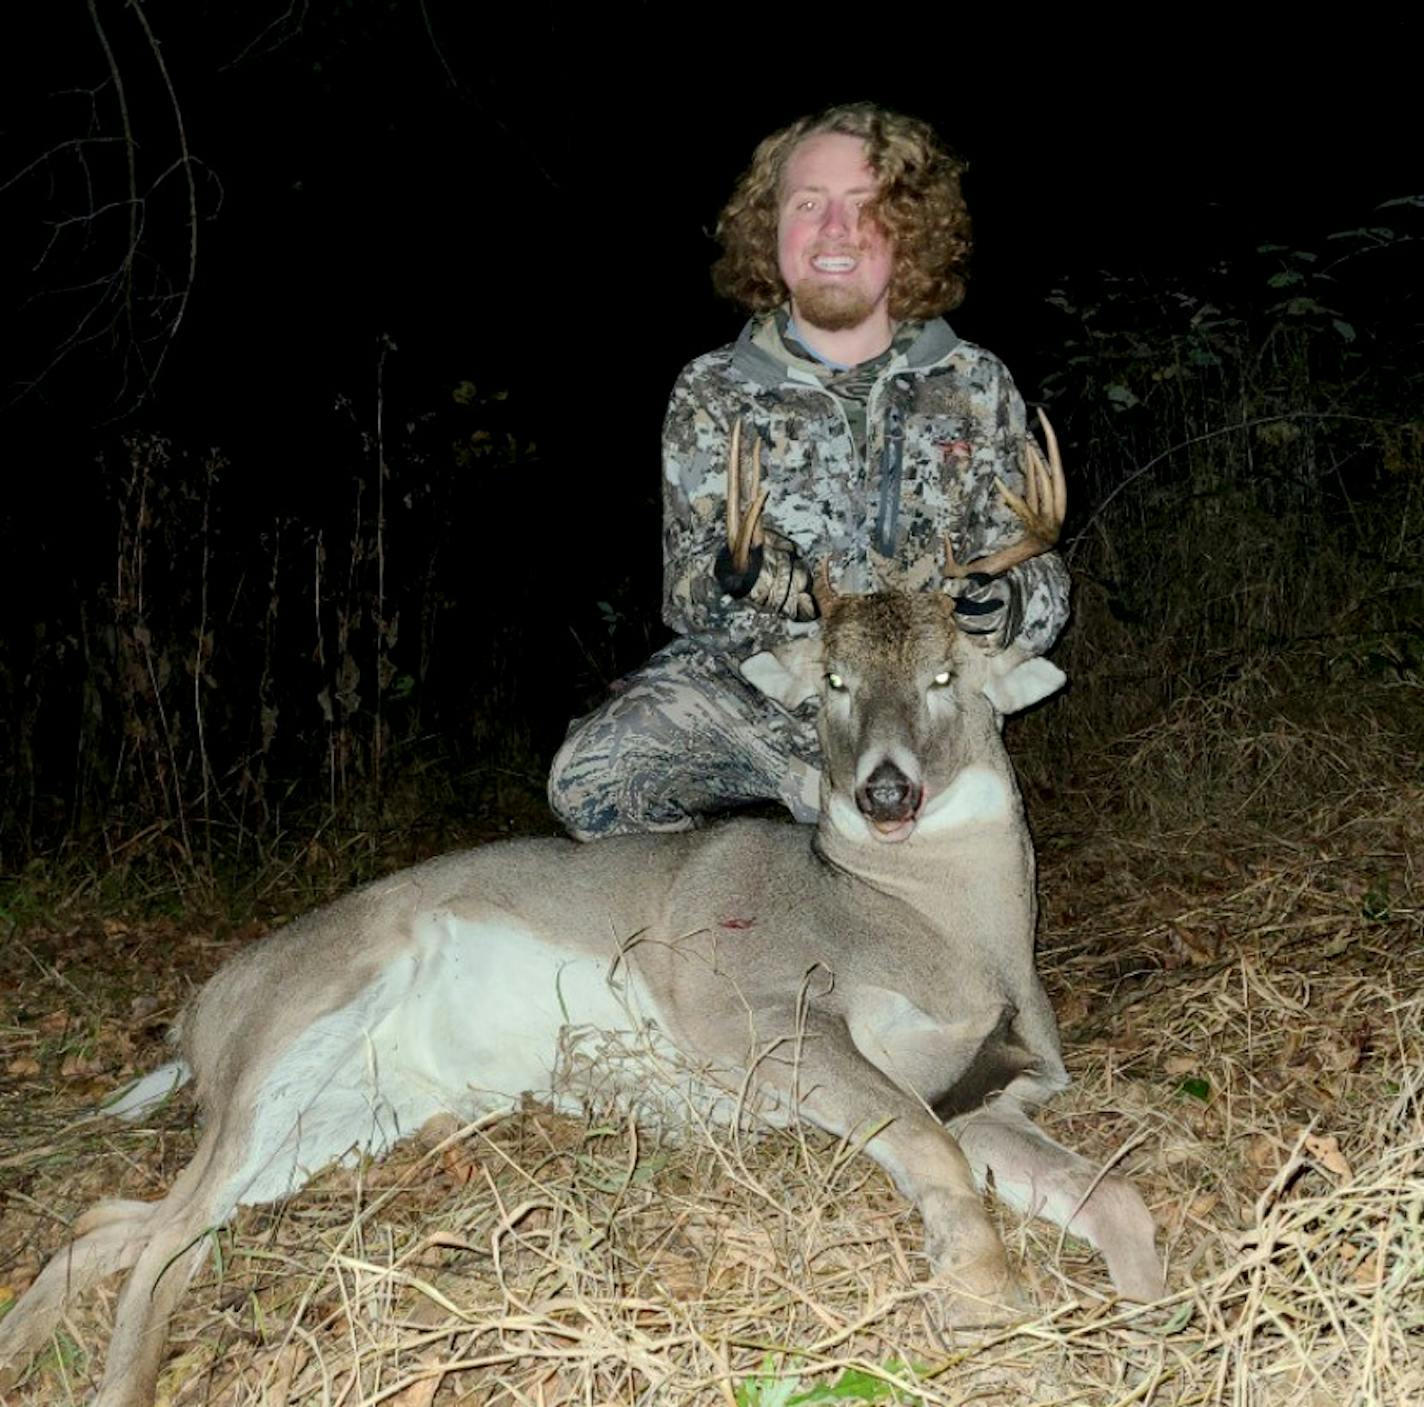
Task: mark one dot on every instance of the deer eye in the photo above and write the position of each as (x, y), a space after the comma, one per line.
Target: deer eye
(835, 682)
(941, 680)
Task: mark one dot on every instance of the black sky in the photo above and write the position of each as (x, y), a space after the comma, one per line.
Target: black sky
(522, 196)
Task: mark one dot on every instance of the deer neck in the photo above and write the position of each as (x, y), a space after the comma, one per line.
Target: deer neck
(973, 835)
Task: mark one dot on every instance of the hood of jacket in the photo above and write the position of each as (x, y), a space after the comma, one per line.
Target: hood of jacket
(762, 357)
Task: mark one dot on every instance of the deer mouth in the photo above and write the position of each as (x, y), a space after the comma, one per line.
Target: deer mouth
(890, 802)
(891, 832)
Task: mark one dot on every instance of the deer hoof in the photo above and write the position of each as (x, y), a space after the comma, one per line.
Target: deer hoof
(970, 1263)
(979, 1292)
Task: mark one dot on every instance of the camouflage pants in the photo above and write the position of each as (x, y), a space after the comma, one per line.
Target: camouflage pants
(683, 737)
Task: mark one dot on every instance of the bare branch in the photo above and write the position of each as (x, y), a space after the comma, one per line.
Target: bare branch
(100, 229)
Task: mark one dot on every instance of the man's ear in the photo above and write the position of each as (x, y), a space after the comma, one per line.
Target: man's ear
(1014, 684)
(790, 674)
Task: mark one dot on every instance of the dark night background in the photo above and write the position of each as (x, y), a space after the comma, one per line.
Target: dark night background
(521, 199)
(335, 340)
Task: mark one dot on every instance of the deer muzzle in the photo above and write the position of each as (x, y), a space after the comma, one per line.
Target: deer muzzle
(889, 800)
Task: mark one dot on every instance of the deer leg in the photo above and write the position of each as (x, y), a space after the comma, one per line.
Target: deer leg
(201, 1199)
(161, 1241)
(817, 1070)
(1039, 1177)
(113, 1244)
(146, 1304)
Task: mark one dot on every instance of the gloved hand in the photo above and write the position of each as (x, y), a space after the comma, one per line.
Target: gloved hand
(988, 606)
(776, 579)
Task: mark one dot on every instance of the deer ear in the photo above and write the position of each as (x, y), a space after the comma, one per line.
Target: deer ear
(789, 674)
(1016, 685)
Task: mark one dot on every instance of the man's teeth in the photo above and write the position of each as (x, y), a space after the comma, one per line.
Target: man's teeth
(833, 263)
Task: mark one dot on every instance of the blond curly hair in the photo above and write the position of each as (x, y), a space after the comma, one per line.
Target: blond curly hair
(918, 203)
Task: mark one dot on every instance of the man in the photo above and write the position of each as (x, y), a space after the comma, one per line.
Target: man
(880, 432)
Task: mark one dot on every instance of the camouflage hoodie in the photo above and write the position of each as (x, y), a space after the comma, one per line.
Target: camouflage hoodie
(942, 418)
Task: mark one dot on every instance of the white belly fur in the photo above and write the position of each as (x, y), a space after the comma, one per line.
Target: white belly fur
(467, 1020)
(484, 1020)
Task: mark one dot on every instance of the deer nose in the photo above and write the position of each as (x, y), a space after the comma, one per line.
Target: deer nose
(887, 794)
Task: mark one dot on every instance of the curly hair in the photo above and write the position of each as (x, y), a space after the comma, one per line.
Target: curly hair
(918, 204)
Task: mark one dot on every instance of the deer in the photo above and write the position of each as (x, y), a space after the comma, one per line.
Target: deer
(872, 975)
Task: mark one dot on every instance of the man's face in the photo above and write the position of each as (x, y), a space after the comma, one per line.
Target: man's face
(836, 266)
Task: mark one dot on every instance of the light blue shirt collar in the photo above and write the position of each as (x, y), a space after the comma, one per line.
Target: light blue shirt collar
(801, 342)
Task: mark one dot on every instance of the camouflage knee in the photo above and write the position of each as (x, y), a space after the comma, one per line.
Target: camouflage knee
(683, 737)
(597, 784)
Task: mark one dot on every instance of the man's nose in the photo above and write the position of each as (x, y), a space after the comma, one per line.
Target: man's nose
(838, 219)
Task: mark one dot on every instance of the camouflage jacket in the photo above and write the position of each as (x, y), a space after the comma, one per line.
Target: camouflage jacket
(942, 419)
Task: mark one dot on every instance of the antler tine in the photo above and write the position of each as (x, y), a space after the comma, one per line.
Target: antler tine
(744, 530)
(1040, 510)
(1047, 490)
(734, 487)
(1055, 469)
(751, 534)
(758, 496)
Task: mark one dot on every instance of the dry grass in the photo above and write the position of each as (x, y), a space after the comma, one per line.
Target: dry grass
(1232, 936)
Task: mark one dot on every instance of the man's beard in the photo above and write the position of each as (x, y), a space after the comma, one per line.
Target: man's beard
(831, 307)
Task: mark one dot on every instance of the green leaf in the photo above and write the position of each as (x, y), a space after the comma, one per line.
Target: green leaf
(1299, 307)
(856, 1385)
(1376, 906)
(1379, 234)
(607, 1176)
(766, 1389)
(770, 1389)
(1195, 1088)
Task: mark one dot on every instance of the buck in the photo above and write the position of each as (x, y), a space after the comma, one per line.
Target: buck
(873, 975)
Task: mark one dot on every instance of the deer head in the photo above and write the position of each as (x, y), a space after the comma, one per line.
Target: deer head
(908, 702)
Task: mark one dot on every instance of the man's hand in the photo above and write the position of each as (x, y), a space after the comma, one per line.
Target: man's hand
(988, 606)
(776, 579)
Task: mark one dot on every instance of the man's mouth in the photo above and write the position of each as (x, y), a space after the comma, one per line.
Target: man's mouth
(834, 263)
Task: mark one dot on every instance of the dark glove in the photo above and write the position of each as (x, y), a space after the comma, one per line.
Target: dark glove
(776, 579)
(989, 606)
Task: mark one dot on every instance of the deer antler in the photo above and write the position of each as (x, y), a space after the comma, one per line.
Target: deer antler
(1040, 511)
(743, 529)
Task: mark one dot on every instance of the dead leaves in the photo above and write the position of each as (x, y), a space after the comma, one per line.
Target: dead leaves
(1325, 1152)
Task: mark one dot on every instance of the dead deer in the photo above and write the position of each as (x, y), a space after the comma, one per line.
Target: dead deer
(873, 975)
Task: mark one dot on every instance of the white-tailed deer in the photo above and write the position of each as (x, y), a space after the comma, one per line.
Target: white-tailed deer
(873, 975)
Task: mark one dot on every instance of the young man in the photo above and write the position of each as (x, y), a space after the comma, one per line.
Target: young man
(880, 433)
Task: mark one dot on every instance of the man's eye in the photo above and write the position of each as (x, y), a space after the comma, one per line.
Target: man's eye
(835, 683)
(941, 679)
